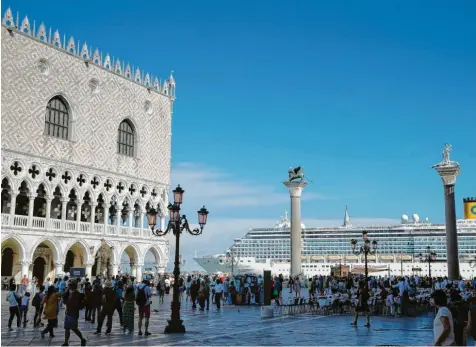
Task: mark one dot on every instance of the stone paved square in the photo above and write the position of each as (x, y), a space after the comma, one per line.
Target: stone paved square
(236, 325)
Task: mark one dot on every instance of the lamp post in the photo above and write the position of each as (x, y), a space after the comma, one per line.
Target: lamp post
(177, 224)
(428, 257)
(366, 249)
(232, 258)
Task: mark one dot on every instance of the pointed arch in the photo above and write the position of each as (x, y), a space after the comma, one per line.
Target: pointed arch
(128, 138)
(52, 244)
(158, 254)
(138, 258)
(84, 247)
(58, 119)
(18, 241)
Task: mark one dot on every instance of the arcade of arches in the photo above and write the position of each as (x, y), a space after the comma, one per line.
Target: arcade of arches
(47, 260)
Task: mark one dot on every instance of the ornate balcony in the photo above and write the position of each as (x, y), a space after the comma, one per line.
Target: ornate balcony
(60, 227)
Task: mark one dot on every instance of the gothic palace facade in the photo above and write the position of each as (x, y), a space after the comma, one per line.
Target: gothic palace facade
(85, 152)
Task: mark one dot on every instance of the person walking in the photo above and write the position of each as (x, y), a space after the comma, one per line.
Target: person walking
(471, 323)
(128, 309)
(13, 301)
(25, 301)
(218, 292)
(362, 305)
(119, 300)
(95, 301)
(108, 306)
(37, 303)
(443, 329)
(143, 295)
(50, 304)
(74, 303)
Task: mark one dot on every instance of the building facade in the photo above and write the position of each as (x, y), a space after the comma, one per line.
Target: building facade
(86, 146)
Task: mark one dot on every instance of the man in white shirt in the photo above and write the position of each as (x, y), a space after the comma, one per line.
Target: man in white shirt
(218, 293)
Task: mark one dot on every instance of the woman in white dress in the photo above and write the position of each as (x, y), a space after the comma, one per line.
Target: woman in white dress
(443, 330)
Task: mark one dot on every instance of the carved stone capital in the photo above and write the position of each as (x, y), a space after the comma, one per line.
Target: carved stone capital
(32, 196)
(58, 264)
(295, 188)
(448, 174)
(64, 200)
(25, 263)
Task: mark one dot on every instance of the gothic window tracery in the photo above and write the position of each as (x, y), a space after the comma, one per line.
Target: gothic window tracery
(126, 138)
(57, 118)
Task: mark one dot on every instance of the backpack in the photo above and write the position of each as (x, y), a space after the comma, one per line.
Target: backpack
(36, 300)
(141, 298)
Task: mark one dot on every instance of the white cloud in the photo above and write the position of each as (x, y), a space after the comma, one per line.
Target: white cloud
(219, 190)
(222, 193)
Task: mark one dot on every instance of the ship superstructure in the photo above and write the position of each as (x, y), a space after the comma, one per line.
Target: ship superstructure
(322, 248)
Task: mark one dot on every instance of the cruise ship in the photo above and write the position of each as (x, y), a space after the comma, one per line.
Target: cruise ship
(399, 247)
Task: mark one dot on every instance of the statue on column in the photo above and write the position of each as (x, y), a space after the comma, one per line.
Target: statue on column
(296, 173)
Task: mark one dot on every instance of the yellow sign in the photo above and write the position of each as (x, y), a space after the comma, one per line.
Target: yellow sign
(470, 210)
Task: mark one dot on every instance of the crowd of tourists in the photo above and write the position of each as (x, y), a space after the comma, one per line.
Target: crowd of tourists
(454, 302)
(96, 301)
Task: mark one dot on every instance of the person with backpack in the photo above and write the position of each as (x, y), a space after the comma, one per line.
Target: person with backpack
(13, 300)
(87, 301)
(74, 303)
(143, 295)
(37, 304)
(108, 306)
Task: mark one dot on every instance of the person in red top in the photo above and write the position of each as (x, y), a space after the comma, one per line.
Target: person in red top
(24, 284)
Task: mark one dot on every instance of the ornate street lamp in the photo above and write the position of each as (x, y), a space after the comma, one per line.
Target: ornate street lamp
(232, 258)
(366, 249)
(428, 257)
(177, 224)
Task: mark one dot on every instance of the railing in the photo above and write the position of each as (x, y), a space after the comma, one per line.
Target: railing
(5, 219)
(55, 224)
(71, 226)
(38, 222)
(111, 230)
(98, 228)
(84, 227)
(21, 221)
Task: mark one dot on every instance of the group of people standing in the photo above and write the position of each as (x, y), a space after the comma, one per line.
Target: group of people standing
(99, 299)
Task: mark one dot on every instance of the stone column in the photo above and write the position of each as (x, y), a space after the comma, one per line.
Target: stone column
(162, 223)
(59, 269)
(64, 217)
(13, 204)
(133, 270)
(139, 272)
(448, 172)
(93, 205)
(48, 199)
(89, 271)
(130, 219)
(295, 191)
(157, 270)
(114, 269)
(31, 204)
(25, 267)
(79, 205)
(118, 218)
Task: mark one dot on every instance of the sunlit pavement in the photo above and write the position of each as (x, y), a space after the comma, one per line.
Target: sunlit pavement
(239, 325)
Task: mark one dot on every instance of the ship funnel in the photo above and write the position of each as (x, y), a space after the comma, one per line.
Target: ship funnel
(469, 208)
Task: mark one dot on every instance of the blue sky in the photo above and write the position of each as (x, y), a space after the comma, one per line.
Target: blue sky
(362, 94)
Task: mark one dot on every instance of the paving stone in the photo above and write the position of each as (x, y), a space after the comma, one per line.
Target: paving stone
(232, 326)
